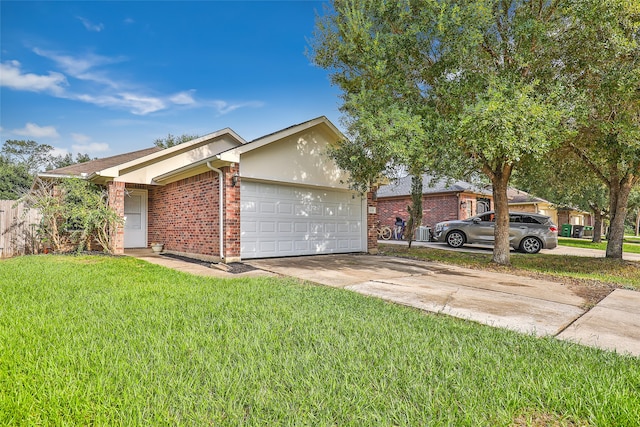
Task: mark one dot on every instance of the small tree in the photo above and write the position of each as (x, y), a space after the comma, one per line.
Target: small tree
(74, 212)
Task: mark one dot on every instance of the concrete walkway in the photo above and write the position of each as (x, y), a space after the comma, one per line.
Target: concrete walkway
(523, 304)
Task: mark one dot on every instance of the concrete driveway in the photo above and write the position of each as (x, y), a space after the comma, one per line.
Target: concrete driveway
(523, 304)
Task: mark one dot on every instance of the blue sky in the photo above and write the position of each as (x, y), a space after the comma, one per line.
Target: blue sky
(105, 78)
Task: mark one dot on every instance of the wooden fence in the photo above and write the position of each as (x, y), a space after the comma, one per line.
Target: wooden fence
(18, 229)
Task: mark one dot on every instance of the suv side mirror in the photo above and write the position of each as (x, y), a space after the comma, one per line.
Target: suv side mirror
(476, 220)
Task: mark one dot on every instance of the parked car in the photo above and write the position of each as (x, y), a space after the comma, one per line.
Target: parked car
(528, 232)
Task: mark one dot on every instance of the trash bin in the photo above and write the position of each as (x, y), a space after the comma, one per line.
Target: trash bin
(588, 231)
(565, 231)
(578, 231)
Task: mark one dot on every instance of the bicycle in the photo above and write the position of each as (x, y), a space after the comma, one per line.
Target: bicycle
(384, 232)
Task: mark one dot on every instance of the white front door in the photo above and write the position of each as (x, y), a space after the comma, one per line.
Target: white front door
(135, 219)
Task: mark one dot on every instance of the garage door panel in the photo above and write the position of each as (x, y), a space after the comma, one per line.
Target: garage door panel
(285, 227)
(285, 208)
(267, 226)
(267, 207)
(301, 227)
(281, 220)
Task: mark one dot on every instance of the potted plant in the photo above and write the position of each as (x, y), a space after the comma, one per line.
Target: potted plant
(157, 247)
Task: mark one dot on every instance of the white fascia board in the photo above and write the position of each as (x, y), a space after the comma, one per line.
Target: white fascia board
(265, 140)
(115, 170)
(58, 176)
(217, 161)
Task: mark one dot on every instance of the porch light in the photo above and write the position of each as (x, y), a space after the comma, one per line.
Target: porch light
(234, 179)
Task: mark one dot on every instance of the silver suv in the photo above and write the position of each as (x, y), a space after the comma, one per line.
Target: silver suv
(528, 232)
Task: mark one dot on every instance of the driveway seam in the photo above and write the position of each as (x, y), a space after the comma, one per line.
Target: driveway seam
(490, 290)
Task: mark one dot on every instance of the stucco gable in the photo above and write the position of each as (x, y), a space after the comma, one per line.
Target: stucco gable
(297, 155)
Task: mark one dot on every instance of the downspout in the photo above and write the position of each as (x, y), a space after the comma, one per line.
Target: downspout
(220, 206)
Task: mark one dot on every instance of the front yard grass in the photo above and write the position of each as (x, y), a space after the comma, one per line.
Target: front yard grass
(117, 341)
(586, 271)
(631, 245)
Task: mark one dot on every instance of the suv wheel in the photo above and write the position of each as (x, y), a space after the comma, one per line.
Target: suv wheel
(455, 239)
(530, 245)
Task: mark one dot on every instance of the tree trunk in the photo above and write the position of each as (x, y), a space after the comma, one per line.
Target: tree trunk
(638, 222)
(597, 225)
(619, 191)
(501, 248)
(415, 210)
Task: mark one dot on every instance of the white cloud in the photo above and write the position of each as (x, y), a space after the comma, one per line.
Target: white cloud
(223, 107)
(32, 130)
(84, 144)
(11, 76)
(92, 147)
(183, 98)
(82, 67)
(129, 21)
(137, 104)
(57, 151)
(80, 138)
(90, 26)
(101, 89)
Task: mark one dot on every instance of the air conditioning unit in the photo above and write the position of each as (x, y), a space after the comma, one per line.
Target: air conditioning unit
(423, 234)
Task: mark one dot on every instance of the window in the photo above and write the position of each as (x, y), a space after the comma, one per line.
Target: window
(490, 217)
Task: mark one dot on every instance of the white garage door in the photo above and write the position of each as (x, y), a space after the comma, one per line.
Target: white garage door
(281, 220)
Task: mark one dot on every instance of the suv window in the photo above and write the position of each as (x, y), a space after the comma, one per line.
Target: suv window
(515, 218)
(488, 217)
(530, 220)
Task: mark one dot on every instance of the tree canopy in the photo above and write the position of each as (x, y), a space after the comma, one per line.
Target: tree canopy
(21, 161)
(476, 77)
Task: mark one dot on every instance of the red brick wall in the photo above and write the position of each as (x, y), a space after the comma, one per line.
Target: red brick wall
(231, 213)
(434, 209)
(372, 220)
(116, 201)
(184, 215)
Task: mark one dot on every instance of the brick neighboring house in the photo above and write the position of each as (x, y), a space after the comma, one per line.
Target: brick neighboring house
(219, 197)
(442, 199)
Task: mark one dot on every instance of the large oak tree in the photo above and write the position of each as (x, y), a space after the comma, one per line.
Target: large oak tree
(480, 75)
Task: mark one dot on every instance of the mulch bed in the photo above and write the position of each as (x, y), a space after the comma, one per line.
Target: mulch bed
(233, 267)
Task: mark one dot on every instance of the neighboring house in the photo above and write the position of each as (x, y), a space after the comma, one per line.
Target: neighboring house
(522, 201)
(442, 199)
(219, 197)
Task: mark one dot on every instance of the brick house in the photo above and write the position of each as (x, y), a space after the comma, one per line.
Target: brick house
(442, 199)
(219, 197)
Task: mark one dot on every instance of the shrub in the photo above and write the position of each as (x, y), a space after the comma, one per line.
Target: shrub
(75, 214)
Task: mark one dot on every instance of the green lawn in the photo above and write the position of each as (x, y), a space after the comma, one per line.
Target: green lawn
(609, 272)
(630, 245)
(117, 341)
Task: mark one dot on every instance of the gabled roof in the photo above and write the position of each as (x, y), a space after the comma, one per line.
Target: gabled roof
(519, 197)
(115, 166)
(430, 185)
(93, 166)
